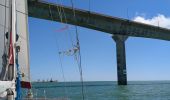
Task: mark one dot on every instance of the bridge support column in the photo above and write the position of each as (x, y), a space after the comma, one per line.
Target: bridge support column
(121, 58)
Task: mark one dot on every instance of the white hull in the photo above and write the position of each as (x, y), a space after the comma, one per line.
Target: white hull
(6, 85)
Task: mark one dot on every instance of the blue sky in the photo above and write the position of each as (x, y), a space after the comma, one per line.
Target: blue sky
(147, 59)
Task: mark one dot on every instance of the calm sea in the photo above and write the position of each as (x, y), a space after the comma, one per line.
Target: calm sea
(141, 90)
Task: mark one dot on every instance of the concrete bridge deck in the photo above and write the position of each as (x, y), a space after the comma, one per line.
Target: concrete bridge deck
(120, 28)
(100, 22)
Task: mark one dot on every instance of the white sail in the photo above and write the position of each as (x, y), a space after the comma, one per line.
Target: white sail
(1, 33)
(21, 30)
(3, 28)
(23, 42)
(4, 46)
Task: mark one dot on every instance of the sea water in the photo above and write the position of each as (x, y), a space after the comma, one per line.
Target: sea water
(141, 90)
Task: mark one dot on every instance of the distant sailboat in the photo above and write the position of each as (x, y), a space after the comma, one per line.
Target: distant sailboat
(13, 21)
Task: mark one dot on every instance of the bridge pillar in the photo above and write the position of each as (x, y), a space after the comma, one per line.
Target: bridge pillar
(121, 58)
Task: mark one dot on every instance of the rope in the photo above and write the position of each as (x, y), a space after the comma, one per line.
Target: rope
(62, 29)
(59, 12)
(77, 56)
(71, 39)
(60, 15)
(89, 12)
(18, 80)
(18, 72)
(51, 13)
(89, 6)
(65, 18)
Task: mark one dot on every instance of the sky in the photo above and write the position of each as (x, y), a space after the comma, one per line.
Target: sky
(147, 59)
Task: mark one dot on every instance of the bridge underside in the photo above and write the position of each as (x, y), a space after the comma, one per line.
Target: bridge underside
(120, 28)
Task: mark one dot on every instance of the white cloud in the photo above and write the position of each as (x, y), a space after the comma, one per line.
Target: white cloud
(159, 20)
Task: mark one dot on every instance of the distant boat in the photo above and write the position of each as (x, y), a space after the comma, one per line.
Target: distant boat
(43, 81)
(51, 80)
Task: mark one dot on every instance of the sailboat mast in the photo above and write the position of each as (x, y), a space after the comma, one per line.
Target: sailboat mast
(11, 93)
(13, 35)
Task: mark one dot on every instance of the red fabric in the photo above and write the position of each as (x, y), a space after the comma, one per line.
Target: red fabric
(11, 53)
(62, 29)
(25, 84)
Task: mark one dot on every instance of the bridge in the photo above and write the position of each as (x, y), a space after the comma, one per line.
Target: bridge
(120, 29)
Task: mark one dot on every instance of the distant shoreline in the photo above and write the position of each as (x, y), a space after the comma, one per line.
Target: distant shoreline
(37, 85)
(109, 81)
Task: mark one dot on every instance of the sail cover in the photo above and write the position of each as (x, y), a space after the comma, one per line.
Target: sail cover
(22, 31)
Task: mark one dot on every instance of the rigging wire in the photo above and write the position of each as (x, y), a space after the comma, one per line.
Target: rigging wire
(65, 18)
(78, 58)
(62, 20)
(59, 56)
(78, 55)
(74, 48)
(89, 11)
(89, 6)
(62, 70)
